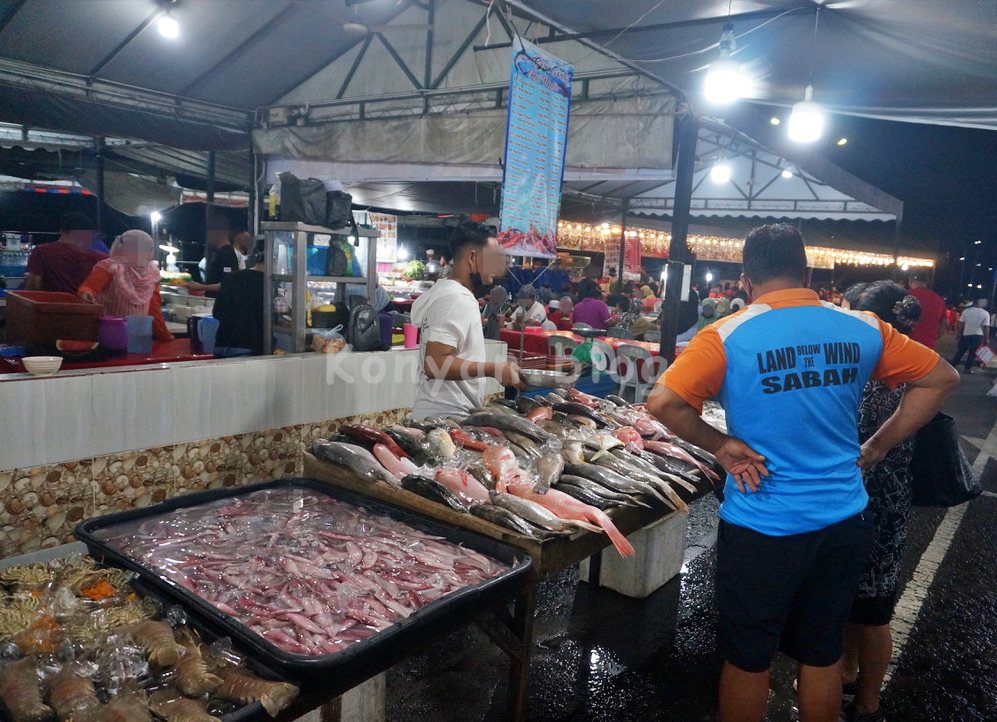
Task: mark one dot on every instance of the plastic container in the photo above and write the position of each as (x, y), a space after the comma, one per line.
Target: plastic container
(207, 329)
(40, 318)
(386, 322)
(112, 333)
(340, 671)
(139, 334)
(317, 258)
(411, 333)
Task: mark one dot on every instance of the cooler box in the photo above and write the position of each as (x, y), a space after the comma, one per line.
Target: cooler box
(44, 317)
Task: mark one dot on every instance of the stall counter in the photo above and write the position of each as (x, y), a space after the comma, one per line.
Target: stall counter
(177, 350)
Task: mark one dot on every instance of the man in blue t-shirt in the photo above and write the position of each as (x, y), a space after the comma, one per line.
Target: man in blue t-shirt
(789, 372)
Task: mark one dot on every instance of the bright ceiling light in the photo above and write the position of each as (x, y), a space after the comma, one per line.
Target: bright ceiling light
(806, 123)
(905, 267)
(774, 121)
(786, 173)
(842, 141)
(976, 243)
(155, 216)
(709, 276)
(403, 254)
(169, 248)
(720, 172)
(725, 82)
(168, 26)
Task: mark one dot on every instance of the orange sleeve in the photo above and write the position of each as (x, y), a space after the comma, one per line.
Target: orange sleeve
(903, 359)
(159, 330)
(698, 372)
(97, 281)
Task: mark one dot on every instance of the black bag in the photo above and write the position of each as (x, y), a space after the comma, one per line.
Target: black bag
(363, 332)
(338, 209)
(336, 263)
(302, 201)
(940, 473)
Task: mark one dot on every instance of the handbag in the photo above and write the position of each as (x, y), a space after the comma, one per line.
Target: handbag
(940, 473)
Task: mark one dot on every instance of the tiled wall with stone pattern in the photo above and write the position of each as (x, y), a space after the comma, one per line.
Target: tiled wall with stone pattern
(42, 505)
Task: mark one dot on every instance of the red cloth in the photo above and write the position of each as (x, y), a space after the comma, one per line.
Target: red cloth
(563, 323)
(61, 266)
(925, 331)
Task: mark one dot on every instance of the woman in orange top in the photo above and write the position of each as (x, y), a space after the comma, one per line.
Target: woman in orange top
(127, 283)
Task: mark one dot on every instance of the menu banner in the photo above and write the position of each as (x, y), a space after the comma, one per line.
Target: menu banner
(387, 244)
(535, 140)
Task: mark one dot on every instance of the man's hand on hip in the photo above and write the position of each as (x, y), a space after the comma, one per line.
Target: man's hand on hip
(743, 463)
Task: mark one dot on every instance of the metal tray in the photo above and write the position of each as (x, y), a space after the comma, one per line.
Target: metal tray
(362, 660)
(542, 378)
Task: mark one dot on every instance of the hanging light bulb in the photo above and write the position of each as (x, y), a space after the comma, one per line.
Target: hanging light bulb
(168, 26)
(786, 173)
(806, 123)
(725, 82)
(403, 254)
(720, 172)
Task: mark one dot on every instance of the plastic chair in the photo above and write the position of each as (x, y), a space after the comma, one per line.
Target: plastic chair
(619, 333)
(652, 336)
(583, 326)
(603, 358)
(638, 369)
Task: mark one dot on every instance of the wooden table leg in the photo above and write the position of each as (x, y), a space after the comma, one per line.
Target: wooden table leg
(519, 665)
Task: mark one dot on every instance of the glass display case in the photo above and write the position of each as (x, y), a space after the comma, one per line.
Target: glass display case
(298, 259)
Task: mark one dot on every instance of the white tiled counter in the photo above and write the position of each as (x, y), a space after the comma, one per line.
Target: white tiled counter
(83, 443)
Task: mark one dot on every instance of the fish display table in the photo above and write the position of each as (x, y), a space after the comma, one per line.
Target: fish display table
(512, 632)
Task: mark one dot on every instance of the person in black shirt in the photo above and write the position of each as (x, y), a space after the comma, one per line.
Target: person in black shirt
(228, 258)
(239, 309)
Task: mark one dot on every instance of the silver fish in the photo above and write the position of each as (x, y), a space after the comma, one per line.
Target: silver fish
(524, 443)
(432, 490)
(504, 517)
(509, 422)
(586, 497)
(601, 490)
(608, 472)
(355, 458)
(650, 468)
(549, 467)
(634, 471)
(441, 444)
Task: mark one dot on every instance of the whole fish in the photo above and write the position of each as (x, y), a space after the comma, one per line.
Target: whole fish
(465, 441)
(480, 472)
(548, 467)
(524, 404)
(523, 442)
(396, 466)
(554, 398)
(571, 452)
(583, 422)
(376, 436)
(432, 490)
(666, 467)
(586, 497)
(539, 515)
(441, 444)
(614, 480)
(568, 507)
(573, 408)
(354, 458)
(541, 413)
(463, 485)
(503, 517)
(410, 444)
(493, 410)
(619, 401)
(501, 463)
(624, 468)
(602, 491)
(508, 422)
(649, 467)
(664, 448)
(580, 397)
(602, 444)
(553, 427)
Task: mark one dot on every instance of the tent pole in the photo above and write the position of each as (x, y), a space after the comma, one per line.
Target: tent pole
(252, 221)
(678, 251)
(99, 143)
(210, 184)
(623, 242)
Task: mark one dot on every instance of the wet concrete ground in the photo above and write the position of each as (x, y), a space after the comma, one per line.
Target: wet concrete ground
(601, 656)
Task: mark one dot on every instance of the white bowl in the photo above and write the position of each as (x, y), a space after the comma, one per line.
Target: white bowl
(42, 365)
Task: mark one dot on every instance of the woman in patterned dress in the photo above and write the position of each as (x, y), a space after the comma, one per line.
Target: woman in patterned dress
(868, 644)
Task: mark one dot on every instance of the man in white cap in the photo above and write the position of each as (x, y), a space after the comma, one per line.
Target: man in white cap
(529, 311)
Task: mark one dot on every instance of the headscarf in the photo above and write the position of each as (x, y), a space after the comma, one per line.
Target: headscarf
(132, 266)
(647, 291)
(707, 313)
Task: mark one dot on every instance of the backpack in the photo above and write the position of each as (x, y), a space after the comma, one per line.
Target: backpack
(363, 332)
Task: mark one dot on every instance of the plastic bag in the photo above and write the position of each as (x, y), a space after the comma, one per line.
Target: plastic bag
(302, 200)
(338, 209)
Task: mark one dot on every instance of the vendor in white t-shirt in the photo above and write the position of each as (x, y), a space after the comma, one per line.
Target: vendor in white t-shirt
(528, 311)
(973, 329)
(453, 370)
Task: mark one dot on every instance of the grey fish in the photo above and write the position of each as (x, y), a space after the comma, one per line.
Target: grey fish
(634, 471)
(601, 490)
(432, 490)
(571, 452)
(523, 442)
(508, 422)
(549, 467)
(586, 497)
(650, 468)
(504, 517)
(355, 458)
(524, 404)
(609, 477)
(619, 401)
(539, 515)
(493, 410)
(441, 444)
(573, 408)
(555, 398)
(664, 468)
(480, 472)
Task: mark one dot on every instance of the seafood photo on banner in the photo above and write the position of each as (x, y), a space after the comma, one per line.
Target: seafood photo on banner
(541, 467)
(78, 643)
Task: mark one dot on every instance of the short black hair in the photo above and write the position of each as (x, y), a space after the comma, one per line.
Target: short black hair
(76, 222)
(853, 293)
(774, 251)
(589, 289)
(236, 232)
(890, 301)
(469, 234)
(616, 300)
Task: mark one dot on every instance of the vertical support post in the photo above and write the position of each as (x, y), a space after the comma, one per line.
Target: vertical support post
(99, 143)
(623, 242)
(519, 665)
(678, 252)
(427, 81)
(253, 207)
(209, 186)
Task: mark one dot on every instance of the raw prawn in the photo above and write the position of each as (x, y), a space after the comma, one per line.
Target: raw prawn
(70, 693)
(21, 692)
(246, 688)
(173, 708)
(130, 708)
(156, 638)
(193, 677)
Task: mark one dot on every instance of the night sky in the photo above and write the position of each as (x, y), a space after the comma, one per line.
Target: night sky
(947, 178)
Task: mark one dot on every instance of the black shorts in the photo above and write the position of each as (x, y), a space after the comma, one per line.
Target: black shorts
(790, 593)
(873, 611)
